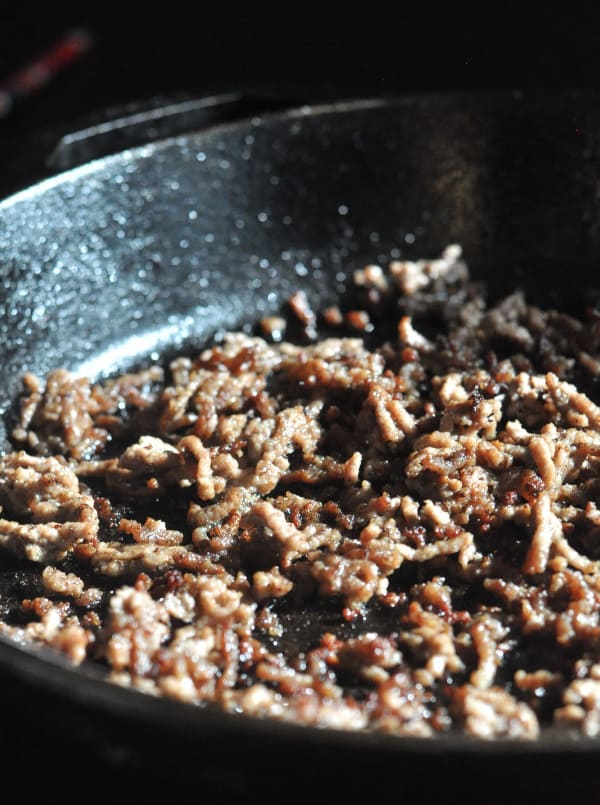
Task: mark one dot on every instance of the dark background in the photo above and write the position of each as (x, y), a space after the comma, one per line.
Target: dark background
(144, 54)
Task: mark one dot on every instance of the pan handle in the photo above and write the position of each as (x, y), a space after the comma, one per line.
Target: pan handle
(142, 123)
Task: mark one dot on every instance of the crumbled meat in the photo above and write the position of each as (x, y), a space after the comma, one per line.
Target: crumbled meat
(47, 510)
(390, 525)
(493, 713)
(71, 416)
(61, 583)
(135, 629)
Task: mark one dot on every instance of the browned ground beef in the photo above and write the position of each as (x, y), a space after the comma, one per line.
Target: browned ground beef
(374, 517)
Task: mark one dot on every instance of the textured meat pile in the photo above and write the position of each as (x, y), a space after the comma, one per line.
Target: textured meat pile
(378, 516)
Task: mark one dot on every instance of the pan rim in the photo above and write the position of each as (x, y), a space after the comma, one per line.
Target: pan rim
(84, 686)
(294, 112)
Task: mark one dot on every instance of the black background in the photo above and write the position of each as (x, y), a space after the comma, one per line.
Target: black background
(303, 51)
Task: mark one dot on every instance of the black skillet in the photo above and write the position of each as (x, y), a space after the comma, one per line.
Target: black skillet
(154, 249)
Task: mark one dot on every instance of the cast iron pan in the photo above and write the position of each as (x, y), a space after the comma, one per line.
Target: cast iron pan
(152, 250)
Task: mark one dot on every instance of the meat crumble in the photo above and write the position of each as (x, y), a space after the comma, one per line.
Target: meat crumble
(375, 517)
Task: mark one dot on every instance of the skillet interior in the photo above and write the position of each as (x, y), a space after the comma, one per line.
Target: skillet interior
(159, 247)
(154, 249)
